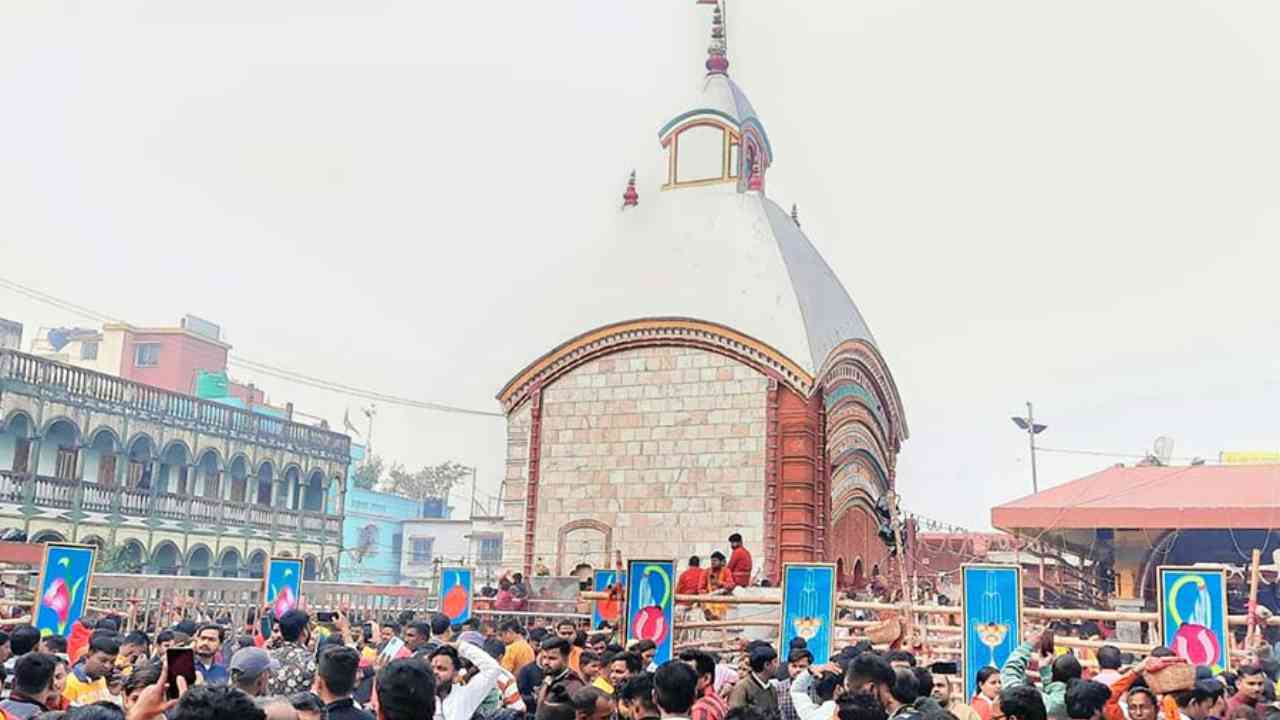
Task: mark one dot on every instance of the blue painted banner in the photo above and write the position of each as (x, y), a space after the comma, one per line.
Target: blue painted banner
(283, 581)
(808, 608)
(63, 590)
(651, 596)
(455, 593)
(605, 610)
(1193, 614)
(992, 618)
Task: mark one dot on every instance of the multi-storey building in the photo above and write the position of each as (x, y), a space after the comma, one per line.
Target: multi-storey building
(168, 482)
(371, 530)
(10, 335)
(172, 357)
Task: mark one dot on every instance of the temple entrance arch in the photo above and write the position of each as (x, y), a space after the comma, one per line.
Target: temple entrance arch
(584, 541)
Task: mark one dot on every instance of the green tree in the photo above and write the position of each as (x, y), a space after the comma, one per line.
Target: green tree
(432, 481)
(115, 559)
(369, 473)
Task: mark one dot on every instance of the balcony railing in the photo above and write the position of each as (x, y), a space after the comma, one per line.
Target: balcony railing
(48, 492)
(52, 379)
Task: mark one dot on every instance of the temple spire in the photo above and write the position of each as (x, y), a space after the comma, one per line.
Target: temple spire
(630, 198)
(717, 58)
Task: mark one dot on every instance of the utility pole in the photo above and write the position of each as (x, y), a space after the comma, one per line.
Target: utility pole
(369, 412)
(471, 511)
(1029, 424)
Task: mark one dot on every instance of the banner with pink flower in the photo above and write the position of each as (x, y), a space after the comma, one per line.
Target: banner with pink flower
(283, 580)
(63, 592)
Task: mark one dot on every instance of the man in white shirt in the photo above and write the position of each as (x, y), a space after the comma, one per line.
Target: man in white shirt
(459, 702)
(826, 678)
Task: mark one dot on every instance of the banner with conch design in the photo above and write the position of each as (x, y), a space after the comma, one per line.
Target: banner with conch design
(651, 596)
(991, 615)
(808, 608)
(1193, 614)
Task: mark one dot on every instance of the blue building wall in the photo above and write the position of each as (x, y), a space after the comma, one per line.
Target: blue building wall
(371, 543)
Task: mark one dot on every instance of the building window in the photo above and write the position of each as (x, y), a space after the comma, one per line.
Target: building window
(65, 464)
(700, 152)
(146, 355)
(89, 350)
(490, 550)
(422, 551)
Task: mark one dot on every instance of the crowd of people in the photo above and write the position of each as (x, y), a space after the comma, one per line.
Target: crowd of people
(1038, 682)
(339, 666)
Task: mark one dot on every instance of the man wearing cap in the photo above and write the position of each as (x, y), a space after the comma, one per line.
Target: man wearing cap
(251, 669)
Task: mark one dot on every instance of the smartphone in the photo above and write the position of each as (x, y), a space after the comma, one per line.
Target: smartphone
(182, 663)
(393, 648)
(945, 667)
(265, 623)
(325, 616)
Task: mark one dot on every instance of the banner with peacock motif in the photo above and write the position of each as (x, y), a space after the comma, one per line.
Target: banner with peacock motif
(63, 590)
(283, 584)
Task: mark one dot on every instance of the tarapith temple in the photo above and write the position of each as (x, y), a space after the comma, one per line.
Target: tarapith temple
(738, 389)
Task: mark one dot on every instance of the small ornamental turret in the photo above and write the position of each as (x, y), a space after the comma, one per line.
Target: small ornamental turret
(795, 216)
(717, 60)
(630, 198)
(757, 179)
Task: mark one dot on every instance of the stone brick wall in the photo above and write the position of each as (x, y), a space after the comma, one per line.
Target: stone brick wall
(514, 487)
(665, 446)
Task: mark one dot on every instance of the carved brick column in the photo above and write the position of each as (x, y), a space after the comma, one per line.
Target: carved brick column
(772, 507)
(797, 471)
(531, 496)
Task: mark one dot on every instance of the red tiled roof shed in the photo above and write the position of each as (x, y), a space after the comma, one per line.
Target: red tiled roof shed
(1189, 497)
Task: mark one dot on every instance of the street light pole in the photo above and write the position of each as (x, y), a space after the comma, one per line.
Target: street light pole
(1028, 423)
(1031, 436)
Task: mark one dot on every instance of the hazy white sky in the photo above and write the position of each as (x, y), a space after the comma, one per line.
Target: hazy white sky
(1074, 203)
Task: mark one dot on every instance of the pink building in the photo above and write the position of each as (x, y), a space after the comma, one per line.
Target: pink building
(167, 357)
(164, 357)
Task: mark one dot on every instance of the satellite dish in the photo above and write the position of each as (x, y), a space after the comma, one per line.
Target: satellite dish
(1163, 449)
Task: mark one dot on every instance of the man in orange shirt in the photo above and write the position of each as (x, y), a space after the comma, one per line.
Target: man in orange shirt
(719, 581)
(739, 561)
(693, 581)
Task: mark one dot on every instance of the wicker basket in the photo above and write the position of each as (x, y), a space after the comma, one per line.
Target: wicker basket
(1172, 678)
(885, 632)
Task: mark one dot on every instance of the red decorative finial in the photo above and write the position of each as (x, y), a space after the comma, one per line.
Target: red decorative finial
(630, 198)
(757, 178)
(795, 217)
(717, 60)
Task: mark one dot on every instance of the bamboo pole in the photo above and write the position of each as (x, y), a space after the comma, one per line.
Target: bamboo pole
(700, 624)
(1252, 608)
(1060, 614)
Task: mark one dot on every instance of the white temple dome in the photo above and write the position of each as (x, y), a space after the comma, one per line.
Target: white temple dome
(704, 242)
